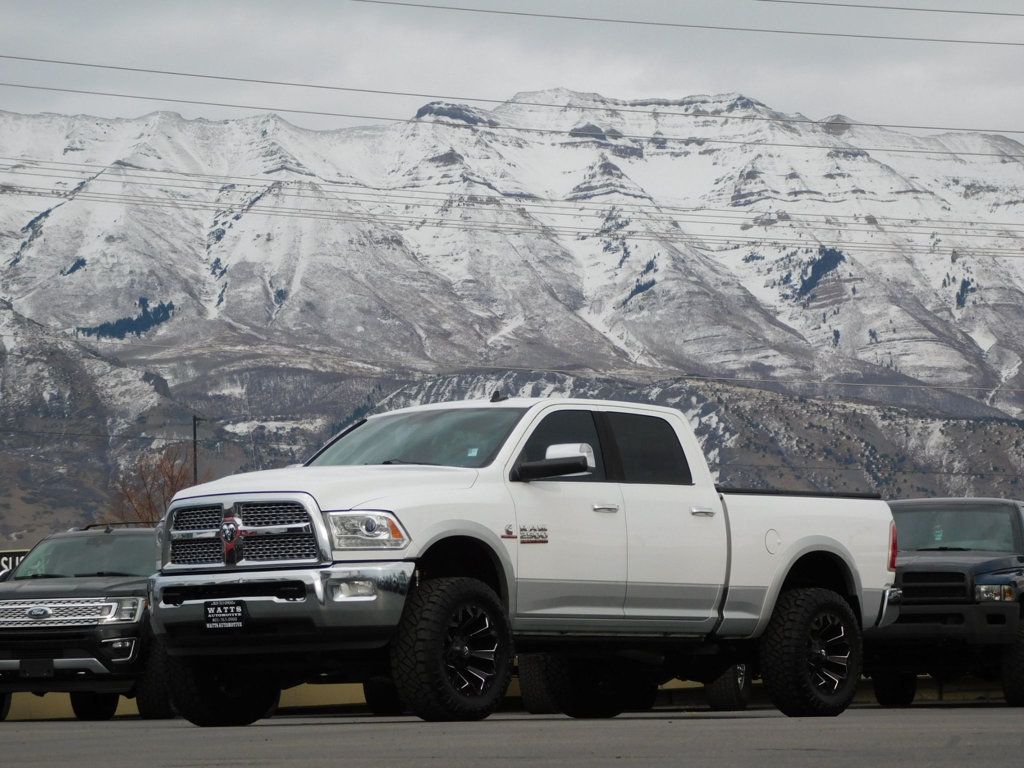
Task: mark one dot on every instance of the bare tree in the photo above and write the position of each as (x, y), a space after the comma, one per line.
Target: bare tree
(141, 495)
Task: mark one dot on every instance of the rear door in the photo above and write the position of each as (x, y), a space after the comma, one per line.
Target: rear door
(572, 533)
(677, 539)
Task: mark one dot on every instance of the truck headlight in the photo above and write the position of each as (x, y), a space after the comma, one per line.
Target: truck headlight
(986, 592)
(366, 530)
(127, 610)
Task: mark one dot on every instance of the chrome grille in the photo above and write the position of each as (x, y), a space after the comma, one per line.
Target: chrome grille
(267, 514)
(198, 518)
(286, 546)
(67, 612)
(197, 552)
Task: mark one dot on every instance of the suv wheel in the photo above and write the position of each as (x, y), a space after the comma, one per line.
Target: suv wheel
(589, 688)
(152, 694)
(207, 696)
(5, 706)
(533, 684)
(1013, 670)
(452, 654)
(811, 654)
(94, 706)
(894, 689)
(730, 691)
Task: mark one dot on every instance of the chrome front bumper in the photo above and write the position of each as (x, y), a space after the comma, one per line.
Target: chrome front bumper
(283, 604)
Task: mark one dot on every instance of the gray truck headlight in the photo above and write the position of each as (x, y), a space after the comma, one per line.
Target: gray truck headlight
(127, 610)
(986, 592)
(366, 530)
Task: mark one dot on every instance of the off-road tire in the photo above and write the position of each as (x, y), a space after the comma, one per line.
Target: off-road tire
(587, 688)
(152, 693)
(1013, 670)
(449, 625)
(533, 684)
(382, 697)
(894, 689)
(640, 695)
(93, 706)
(5, 706)
(203, 696)
(730, 691)
(795, 648)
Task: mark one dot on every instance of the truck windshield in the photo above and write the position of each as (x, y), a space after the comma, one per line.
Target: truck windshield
(90, 555)
(454, 437)
(961, 527)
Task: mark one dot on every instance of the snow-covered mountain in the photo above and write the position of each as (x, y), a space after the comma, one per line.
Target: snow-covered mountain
(286, 277)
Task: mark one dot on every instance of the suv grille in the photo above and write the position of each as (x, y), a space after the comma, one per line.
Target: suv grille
(66, 612)
(242, 534)
(935, 587)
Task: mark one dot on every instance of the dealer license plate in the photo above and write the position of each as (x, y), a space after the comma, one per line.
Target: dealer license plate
(225, 614)
(36, 668)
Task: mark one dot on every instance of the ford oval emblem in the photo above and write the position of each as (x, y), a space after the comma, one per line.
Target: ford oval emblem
(39, 612)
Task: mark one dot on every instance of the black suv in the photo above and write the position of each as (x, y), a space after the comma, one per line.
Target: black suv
(961, 568)
(74, 617)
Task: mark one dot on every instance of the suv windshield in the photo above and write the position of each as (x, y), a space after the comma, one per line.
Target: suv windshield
(454, 437)
(90, 555)
(991, 528)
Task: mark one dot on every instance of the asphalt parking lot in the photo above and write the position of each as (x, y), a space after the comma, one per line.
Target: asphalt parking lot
(930, 735)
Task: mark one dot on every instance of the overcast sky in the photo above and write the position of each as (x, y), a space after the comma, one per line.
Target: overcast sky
(338, 42)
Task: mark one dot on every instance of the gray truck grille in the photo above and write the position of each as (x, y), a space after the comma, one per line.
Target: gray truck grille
(253, 532)
(935, 587)
(66, 612)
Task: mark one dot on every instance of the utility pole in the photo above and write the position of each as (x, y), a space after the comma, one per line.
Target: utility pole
(195, 442)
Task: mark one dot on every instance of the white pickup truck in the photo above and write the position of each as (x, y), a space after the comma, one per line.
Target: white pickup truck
(418, 548)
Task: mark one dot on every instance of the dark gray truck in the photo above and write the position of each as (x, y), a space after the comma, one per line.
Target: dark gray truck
(960, 566)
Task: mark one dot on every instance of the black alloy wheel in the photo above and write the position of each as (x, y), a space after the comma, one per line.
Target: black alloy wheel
(470, 647)
(828, 652)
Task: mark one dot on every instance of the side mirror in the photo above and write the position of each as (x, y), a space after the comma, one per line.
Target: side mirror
(539, 470)
(570, 450)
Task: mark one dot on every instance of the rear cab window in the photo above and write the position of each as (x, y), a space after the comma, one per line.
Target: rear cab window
(649, 450)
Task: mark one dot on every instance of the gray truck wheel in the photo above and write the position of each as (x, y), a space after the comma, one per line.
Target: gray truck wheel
(381, 696)
(1013, 671)
(207, 696)
(533, 684)
(730, 691)
(5, 706)
(451, 658)
(94, 706)
(587, 688)
(152, 693)
(811, 654)
(894, 689)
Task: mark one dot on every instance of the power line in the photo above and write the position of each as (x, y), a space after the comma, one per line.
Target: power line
(686, 140)
(403, 199)
(680, 25)
(697, 115)
(891, 7)
(540, 229)
(519, 199)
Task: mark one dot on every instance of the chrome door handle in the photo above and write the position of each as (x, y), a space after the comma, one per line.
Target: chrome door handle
(702, 511)
(605, 507)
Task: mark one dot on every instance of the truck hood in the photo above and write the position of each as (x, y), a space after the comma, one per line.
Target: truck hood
(975, 562)
(347, 487)
(91, 586)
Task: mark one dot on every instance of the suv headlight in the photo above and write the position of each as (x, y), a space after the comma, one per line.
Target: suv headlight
(366, 530)
(127, 610)
(986, 592)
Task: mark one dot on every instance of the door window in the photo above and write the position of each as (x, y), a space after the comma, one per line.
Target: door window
(650, 450)
(561, 428)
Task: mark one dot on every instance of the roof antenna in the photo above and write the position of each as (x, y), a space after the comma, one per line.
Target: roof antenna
(497, 397)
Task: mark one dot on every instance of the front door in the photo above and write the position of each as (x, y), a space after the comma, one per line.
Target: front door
(572, 534)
